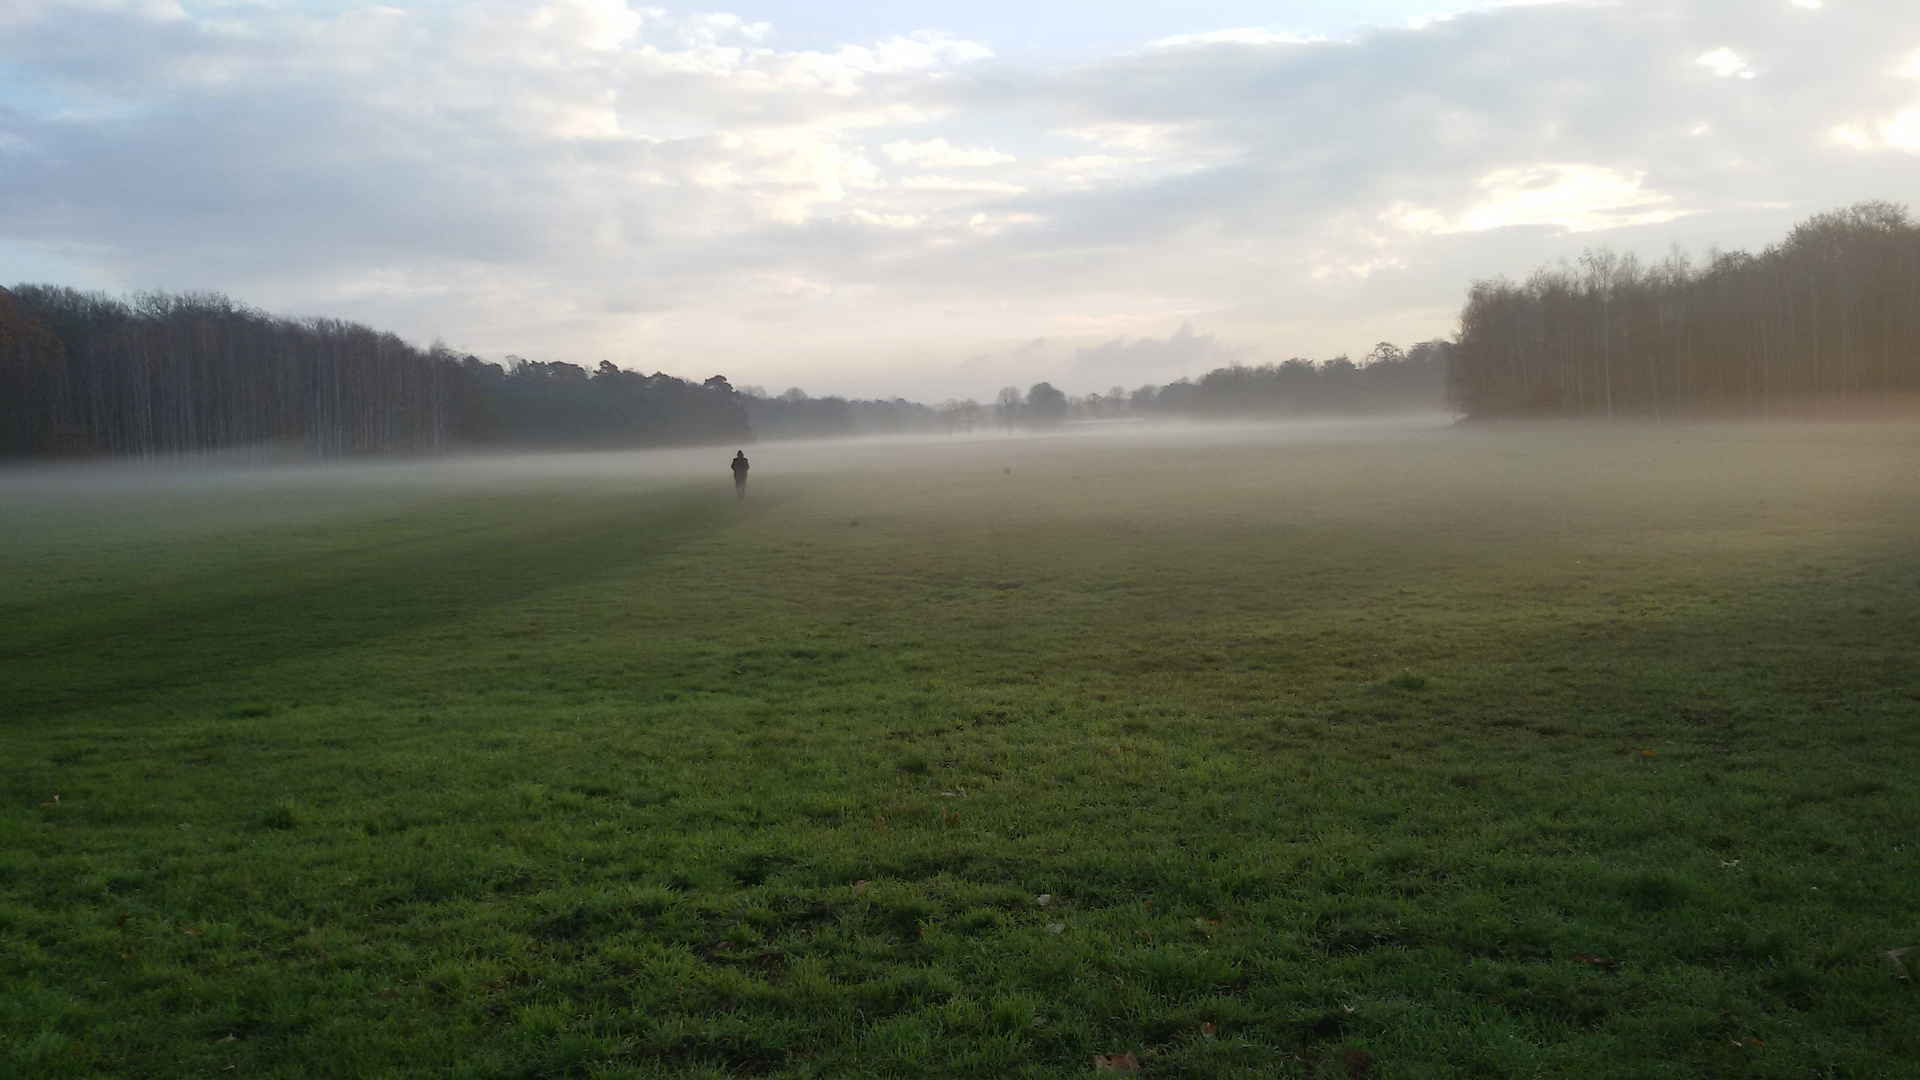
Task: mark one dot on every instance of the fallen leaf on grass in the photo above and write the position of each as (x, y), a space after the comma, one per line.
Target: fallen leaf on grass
(1646, 753)
(1597, 960)
(1057, 928)
(1127, 1062)
(126, 954)
(1754, 1044)
(230, 1037)
(1898, 958)
(55, 802)
(1728, 864)
(859, 888)
(194, 932)
(1043, 899)
(1208, 1031)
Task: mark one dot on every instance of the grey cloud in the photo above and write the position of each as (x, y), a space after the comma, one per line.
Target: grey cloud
(1423, 114)
(458, 170)
(1182, 352)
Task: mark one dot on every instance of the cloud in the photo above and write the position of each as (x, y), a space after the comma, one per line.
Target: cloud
(1725, 63)
(1092, 162)
(1898, 132)
(595, 178)
(1239, 36)
(949, 183)
(989, 224)
(1128, 134)
(937, 153)
(536, 138)
(1181, 353)
(1577, 198)
(1903, 131)
(887, 221)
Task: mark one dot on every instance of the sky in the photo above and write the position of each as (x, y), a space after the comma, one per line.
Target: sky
(932, 199)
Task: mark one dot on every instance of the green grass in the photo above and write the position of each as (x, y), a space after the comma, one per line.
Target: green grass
(1497, 752)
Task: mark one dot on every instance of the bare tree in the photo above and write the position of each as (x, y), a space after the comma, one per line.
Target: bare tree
(1826, 318)
(1007, 406)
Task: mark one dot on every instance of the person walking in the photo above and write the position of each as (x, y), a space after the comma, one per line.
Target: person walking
(740, 474)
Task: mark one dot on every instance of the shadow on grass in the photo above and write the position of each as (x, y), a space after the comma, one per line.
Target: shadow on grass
(128, 645)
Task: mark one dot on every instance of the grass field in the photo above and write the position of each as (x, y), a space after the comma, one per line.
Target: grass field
(1556, 751)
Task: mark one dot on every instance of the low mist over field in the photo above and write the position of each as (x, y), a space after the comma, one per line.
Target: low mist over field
(1237, 749)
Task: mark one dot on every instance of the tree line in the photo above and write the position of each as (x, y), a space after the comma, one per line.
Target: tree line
(160, 374)
(1827, 318)
(557, 405)
(165, 374)
(795, 415)
(1388, 380)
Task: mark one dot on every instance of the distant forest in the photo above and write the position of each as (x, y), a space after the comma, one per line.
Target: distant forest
(84, 373)
(80, 372)
(1829, 317)
(1388, 380)
(560, 405)
(794, 415)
